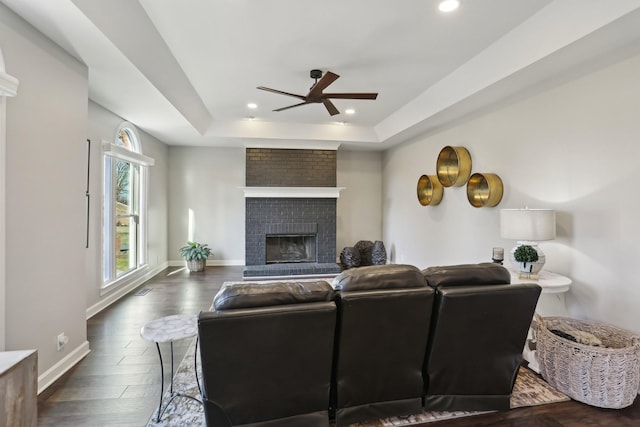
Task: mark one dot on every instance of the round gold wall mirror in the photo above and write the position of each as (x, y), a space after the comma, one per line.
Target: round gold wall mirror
(453, 166)
(429, 190)
(484, 190)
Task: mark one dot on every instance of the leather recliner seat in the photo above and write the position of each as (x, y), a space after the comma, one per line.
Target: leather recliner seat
(386, 341)
(478, 331)
(267, 352)
(383, 325)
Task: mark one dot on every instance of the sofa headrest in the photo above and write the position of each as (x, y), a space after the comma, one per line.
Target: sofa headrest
(247, 295)
(467, 275)
(389, 276)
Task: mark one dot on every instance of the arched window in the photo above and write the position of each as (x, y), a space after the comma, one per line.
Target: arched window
(125, 210)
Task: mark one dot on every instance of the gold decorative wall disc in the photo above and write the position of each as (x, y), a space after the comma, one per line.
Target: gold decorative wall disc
(453, 166)
(484, 190)
(429, 190)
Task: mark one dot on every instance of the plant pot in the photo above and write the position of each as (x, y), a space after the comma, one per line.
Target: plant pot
(195, 265)
(527, 267)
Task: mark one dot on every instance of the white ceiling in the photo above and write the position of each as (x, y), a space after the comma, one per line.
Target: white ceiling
(184, 71)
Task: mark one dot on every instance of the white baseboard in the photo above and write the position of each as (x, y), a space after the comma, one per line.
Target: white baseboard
(117, 293)
(57, 370)
(210, 262)
(225, 262)
(114, 295)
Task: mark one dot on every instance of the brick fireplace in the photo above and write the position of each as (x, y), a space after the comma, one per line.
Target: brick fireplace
(290, 208)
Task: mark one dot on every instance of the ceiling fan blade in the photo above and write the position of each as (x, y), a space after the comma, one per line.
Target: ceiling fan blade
(322, 84)
(330, 107)
(281, 92)
(291, 106)
(350, 95)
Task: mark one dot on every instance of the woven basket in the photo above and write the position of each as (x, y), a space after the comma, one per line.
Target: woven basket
(607, 377)
(195, 265)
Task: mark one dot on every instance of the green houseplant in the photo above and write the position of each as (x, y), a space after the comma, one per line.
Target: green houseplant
(196, 255)
(525, 255)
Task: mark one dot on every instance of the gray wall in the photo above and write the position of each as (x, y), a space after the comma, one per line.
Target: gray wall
(360, 203)
(45, 206)
(103, 125)
(574, 149)
(209, 181)
(52, 280)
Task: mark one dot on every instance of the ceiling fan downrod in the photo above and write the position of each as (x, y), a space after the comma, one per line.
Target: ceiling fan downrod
(315, 74)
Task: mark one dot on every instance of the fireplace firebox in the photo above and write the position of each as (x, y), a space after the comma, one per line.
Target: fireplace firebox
(285, 248)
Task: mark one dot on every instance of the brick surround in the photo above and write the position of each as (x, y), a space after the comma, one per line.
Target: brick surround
(266, 167)
(290, 215)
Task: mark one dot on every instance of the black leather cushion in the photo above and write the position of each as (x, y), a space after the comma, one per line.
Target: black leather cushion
(268, 366)
(390, 276)
(247, 295)
(475, 345)
(467, 275)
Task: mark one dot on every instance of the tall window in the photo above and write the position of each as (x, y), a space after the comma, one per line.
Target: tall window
(124, 231)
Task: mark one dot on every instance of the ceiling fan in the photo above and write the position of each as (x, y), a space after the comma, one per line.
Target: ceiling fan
(316, 94)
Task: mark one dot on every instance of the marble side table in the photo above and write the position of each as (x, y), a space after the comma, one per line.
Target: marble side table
(170, 329)
(551, 303)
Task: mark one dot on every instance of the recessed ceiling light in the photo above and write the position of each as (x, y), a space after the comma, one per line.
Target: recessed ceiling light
(448, 5)
(341, 123)
(349, 111)
(252, 105)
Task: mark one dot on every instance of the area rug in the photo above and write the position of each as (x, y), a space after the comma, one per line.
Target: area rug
(529, 390)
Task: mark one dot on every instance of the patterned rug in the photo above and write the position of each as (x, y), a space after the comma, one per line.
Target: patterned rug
(529, 390)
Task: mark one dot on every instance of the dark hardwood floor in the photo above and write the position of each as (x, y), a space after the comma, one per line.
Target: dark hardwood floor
(118, 383)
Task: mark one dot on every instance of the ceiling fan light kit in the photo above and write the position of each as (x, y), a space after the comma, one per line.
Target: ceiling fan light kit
(316, 94)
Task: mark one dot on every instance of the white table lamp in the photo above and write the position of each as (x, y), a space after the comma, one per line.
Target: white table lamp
(528, 227)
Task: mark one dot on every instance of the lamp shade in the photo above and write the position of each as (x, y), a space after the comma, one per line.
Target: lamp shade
(528, 224)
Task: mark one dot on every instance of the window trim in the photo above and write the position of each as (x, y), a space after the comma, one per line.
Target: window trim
(120, 153)
(113, 151)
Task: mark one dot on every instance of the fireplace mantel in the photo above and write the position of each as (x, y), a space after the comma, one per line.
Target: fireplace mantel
(293, 192)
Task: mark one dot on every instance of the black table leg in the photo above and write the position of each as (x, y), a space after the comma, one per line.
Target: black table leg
(161, 383)
(173, 394)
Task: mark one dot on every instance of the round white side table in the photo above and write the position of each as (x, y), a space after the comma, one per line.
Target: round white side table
(551, 303)
(170, 329)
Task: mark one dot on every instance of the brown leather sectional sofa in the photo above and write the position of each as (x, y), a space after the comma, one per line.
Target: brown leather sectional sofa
(379, 341)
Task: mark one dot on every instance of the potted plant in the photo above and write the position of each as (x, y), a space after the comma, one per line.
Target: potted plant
(526, 256)
(196, 255)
